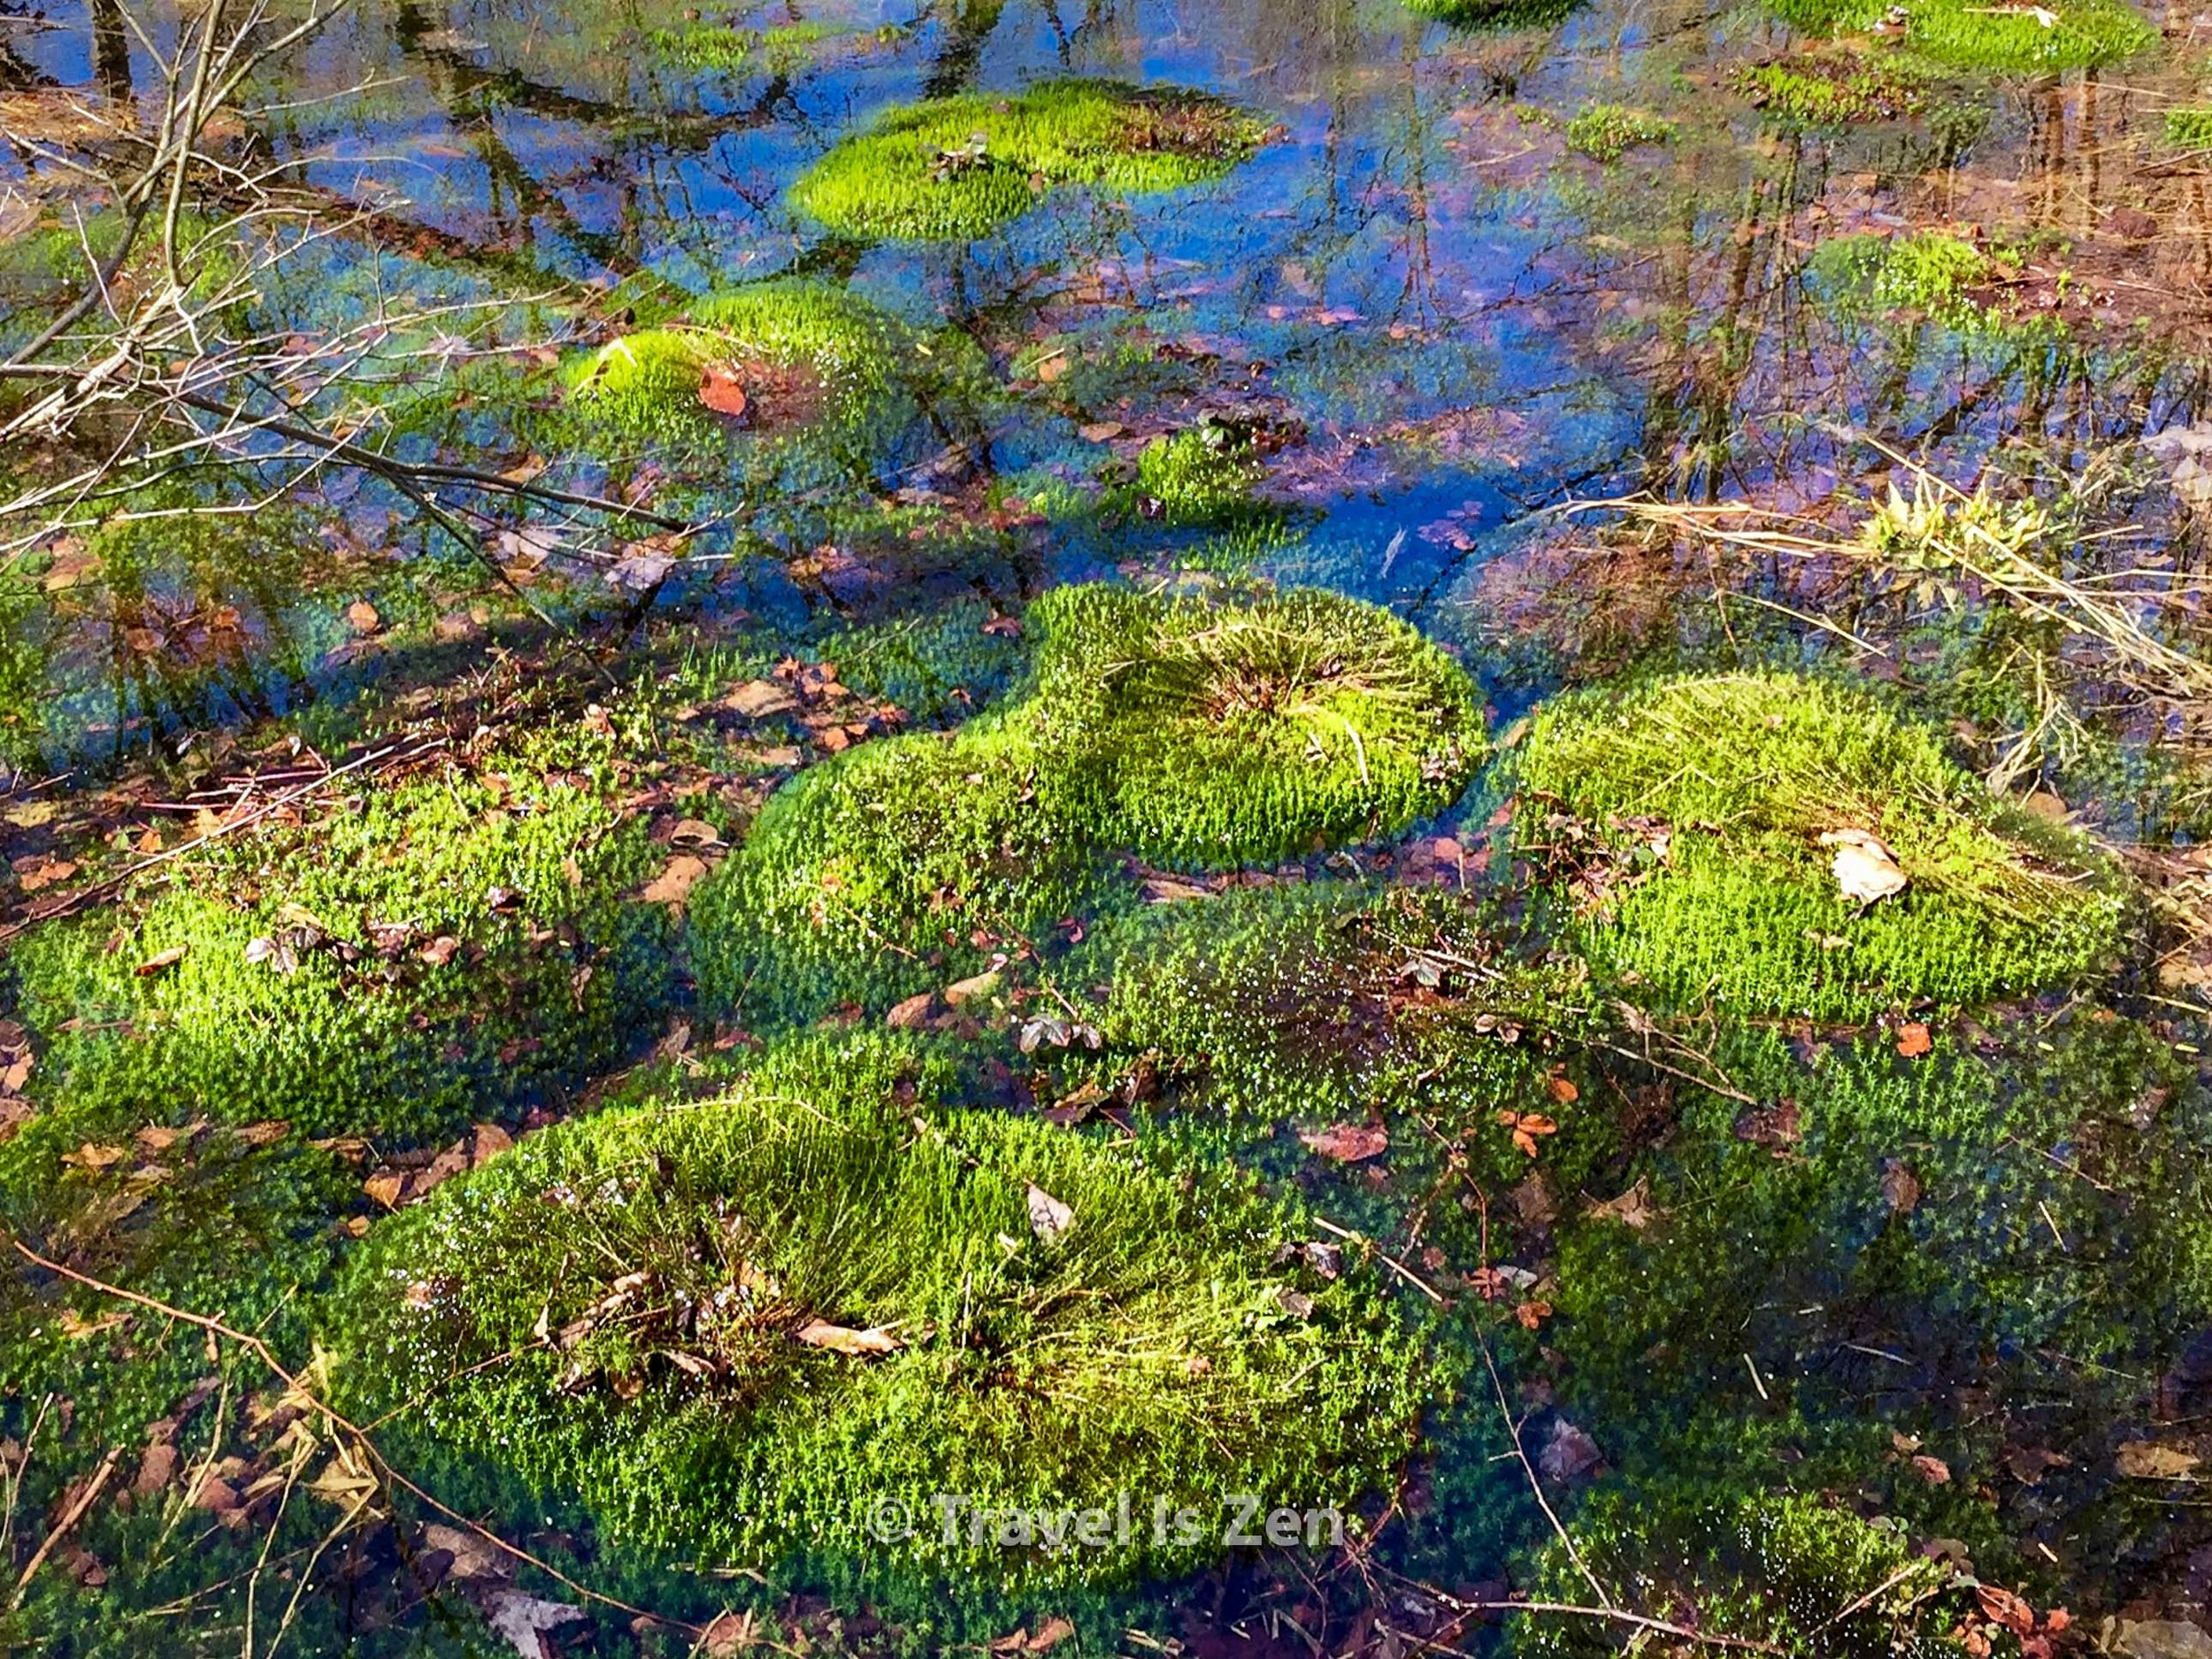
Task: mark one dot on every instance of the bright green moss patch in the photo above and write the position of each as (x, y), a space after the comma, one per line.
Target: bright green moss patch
(770, 358)
(1247, 733)
(2189, 129)
(1606, 132)
(2081, 33)
(1925, 273)
(1205, 475)
(1838, 85)
(1683, 822)
(1184, 731)
(1793, 1572)
(778, 49)
(660, 1308)
(954, 169)
(421, 954)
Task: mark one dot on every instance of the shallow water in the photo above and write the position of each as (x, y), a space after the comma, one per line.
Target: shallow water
(1463, 344)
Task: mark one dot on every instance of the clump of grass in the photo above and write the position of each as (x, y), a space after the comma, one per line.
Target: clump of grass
(2189, 129)
(1830, 87)
(1683, 821)
(647, 1307)
(1186, 732)
(1242, 734)
(1606, 132)
(954, 169)
(438, 948)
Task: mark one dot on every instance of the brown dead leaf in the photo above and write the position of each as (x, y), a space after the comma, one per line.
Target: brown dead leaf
(362, 617)
(843, 1340)
(385, 1186)
(156, 1467)
(913, 1014)
(2000, 1606)
(727, 1635)
(968, 990)
(692, 832)
(674, 883)
(757, 699)
(2148, 1460)
(720, 390)
(1912, 1040)
(1348, 1143)
(1934, 1471)
(1051, 1634)
(94, 1156)
(162, 960)
(1563, 1091)
(1633, 1209)
(1901, 1187)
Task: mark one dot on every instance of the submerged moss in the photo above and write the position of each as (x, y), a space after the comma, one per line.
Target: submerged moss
(779, 49)
(1791, 1572)
(1606, 132)
(1186, 732)
(1836, 86)
(1049, 1323)
(1684, 822)
(449, 945)
(958, 168)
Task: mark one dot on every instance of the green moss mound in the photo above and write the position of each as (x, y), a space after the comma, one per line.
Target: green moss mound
(806, 354)
(1682, 822)
(2084, 35)
(954, 169)
(428, 952)
(892, 869)
(616, 1306)
(1248, 732)
(1606, 132)
(1188, 731)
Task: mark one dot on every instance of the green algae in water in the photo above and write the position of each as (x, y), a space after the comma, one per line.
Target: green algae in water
(1606, 132)
(955, 169)
(1685, 819)
(447, 946)
(1138, 1340)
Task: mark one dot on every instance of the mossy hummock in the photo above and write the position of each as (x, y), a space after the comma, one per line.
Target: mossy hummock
(1188, 731)
(1837, 86)
(753, 1328)
(430, 952)
(801, 353)
(1245, 732)
(1496, 15)
(955, 169)
(1606, 132)
(1682, 824)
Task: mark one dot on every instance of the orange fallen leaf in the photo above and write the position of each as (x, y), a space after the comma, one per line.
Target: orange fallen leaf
(1912, 1040)
(1564, 1092)
(160, 960)
(720, 390)
(1349, 1143)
